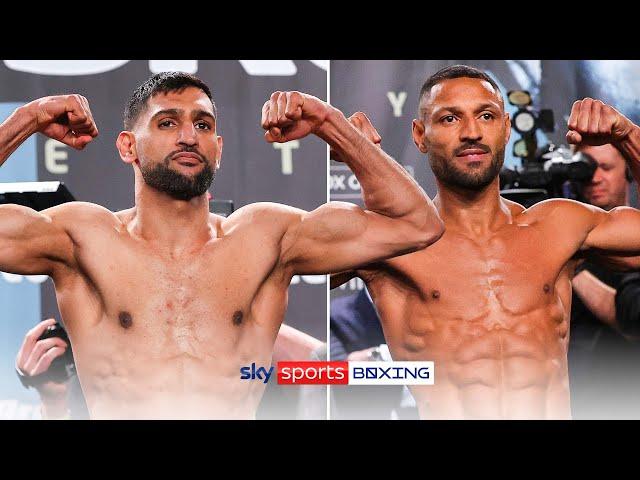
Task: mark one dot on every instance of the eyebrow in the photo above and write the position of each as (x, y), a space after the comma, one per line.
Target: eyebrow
(177, 112)
(452, 109)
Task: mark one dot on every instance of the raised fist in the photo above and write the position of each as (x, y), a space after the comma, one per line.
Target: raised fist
(592, 122)
(288, 116)
(66, 118)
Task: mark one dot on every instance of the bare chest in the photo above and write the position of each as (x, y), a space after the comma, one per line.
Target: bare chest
(508, 275)
(171, 302)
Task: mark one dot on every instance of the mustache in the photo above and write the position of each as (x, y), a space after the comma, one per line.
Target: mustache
(467, 145)
(185, 150)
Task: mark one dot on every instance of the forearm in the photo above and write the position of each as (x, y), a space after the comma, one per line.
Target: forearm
(598, 297)
(54, 408)
(387, 188)
(14, 131)
(292, 344)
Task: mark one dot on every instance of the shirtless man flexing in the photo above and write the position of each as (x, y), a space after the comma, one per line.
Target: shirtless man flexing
(489, 302)
(164, 302)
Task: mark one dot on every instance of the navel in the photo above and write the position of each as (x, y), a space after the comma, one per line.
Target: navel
(546, 288)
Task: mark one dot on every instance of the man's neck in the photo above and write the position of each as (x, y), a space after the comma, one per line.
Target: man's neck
(474, 212)
(176, 225)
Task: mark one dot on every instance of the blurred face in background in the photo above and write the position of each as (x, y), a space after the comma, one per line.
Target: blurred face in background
(609, 186)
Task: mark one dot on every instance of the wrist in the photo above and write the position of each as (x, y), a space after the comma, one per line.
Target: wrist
(26, 116)
(53, 393)
(625, 140)
(331, 123)
(343, 138)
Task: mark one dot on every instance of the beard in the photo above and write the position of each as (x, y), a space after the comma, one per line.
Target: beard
(181, 187)
(473, 178)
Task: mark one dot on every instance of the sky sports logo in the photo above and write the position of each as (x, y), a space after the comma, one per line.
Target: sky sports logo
(344, 373)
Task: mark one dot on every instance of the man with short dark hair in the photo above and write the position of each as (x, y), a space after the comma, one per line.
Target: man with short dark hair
(489, 302)
(164, 302)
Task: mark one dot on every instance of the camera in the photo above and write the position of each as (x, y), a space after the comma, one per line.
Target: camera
(547, 172)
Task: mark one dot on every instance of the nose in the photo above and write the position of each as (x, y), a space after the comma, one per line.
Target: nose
(187, 135)
(470, 131)
(597, 176)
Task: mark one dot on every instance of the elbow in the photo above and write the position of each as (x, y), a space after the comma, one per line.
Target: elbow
(428, 234)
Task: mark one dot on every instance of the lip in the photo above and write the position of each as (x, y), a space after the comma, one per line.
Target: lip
(473, 155)
(472, 152)
(188, 159)
(597, 193)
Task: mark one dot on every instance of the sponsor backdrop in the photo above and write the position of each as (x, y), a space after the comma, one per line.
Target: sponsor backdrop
(252, 170)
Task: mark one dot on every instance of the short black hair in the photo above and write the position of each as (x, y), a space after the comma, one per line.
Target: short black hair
(454, 71)
(163, 82)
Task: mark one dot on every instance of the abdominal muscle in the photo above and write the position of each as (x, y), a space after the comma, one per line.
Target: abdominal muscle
(154, 370)
(174, 388)
(492, 367)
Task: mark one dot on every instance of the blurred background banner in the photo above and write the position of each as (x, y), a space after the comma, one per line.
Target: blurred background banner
(387, 91)
(252, 170)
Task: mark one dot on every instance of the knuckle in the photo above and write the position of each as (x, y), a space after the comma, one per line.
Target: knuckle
(275, 95)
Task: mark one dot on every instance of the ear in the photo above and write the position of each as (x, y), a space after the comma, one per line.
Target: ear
(219, 152)
(507, 125)
(417, 131)
(126, 145)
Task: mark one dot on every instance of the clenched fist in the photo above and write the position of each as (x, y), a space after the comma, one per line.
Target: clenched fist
(592, 122)
(66, 118)
(364, 125)
(288, 116)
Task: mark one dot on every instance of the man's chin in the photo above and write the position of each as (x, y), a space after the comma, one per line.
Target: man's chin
(183, 196)
(471, 180)
(188, 171)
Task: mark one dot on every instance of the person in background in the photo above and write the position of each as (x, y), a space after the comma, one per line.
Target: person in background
(605, 318)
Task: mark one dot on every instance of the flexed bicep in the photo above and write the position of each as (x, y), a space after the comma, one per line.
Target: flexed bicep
(614, 239)
(32, 242)
(340, 236)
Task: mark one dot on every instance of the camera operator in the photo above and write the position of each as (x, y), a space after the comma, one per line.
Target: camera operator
(45, 362)
(603, 356)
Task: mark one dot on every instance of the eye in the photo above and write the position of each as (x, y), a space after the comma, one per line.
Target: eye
(203, 126)
(487, 116)
(166, 123)
(448, 119)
